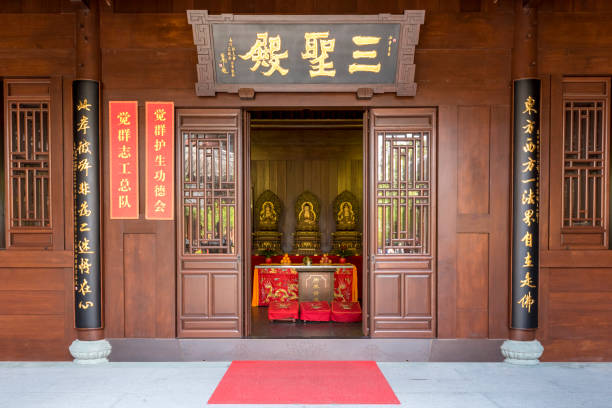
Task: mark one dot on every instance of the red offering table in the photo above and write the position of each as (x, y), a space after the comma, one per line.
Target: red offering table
(315, 311)
(345, 312)
(280, 282)
(283, 310)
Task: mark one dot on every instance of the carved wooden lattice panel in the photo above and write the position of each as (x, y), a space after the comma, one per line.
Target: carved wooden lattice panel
(403, 192)
(579, 163)
(209, 192)
(585, 169)
(28, 164)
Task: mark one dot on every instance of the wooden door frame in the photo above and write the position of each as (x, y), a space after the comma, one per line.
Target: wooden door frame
(248, 210)
(367, 155)
(248, 222)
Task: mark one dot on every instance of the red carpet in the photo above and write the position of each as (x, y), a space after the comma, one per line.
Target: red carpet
(303, 382)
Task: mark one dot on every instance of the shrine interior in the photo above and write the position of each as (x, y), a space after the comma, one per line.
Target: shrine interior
(310, 164)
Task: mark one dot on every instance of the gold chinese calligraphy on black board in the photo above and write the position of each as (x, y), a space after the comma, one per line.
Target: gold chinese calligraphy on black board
(306, 53)
(87, 288)
(526, 199)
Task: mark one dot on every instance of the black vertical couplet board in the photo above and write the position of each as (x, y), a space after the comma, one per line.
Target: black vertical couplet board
(526, 199)
(87, 280)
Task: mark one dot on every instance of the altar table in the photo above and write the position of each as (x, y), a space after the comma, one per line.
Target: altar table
(280, 282)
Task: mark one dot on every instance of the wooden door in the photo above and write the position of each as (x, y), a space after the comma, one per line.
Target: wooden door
(365, 267)
(402, 219)
(210, 223)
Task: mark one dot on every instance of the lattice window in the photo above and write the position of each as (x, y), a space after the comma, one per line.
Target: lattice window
(403, 192)
(28, 164)
(209, 192)
(585, 169)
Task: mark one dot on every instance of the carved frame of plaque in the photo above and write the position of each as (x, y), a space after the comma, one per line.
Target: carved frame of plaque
(410, 23)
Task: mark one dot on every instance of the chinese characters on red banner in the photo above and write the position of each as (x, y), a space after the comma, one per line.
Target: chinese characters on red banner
(160, 161)
(123, 160)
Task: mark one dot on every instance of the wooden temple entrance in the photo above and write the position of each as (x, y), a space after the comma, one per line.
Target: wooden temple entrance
(227, 159)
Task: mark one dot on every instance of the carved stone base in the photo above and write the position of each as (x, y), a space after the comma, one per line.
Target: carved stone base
(307, 242)
(90, 352)
(522, 352)
(351, 240)
(267, 240)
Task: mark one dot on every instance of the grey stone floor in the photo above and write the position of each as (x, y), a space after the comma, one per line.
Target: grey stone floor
(418, 385)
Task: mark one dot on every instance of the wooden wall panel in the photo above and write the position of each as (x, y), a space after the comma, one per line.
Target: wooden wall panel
(138, 258)
(447, 221)
(139, 269)
(22, 302)
(473, 160)
(24, 31)
(499, 237)
(470, 30)
(36, 313)
(472, 285)
(574, 315)
(24, 328)
(473, 257)
(577, 325)
(146, 31)
(491, 71)
(163, 68)
(274, 6)
(36, 301)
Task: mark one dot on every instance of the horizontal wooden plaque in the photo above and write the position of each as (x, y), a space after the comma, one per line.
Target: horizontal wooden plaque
(295, 53)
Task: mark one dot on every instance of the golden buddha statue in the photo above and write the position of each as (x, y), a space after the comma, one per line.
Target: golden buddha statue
(307, 238)
(307, 218)
(268, 211)
(345, 218)
(268, 217)
(346, 210)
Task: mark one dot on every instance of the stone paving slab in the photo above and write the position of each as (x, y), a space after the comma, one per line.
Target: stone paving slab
(417, 385)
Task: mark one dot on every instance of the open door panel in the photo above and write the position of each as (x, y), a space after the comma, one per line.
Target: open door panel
(209, 223)
(402, 222)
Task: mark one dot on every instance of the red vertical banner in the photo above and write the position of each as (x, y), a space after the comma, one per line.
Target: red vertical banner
(160, 161)
(123, 159)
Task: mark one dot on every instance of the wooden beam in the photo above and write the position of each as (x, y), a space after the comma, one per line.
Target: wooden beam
(531, 3)
(80, 3)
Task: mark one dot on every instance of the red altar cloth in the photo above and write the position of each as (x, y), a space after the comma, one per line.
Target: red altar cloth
(283, 310)
(315, 311)
(345, 312)
(280, 282)
(356, 260)
(274, 283)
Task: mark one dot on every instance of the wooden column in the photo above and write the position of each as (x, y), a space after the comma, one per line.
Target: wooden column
(88, 68)
(524, 65)
(88, 42)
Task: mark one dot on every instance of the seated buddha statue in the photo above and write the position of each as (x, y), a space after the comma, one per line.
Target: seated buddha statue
(346, 210)
(307, 218)
(268, 217)
(307, 238)
(345, 219)
(267, 214)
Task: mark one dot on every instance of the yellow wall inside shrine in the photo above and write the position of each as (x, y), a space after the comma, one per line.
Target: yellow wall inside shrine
(290, 161)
